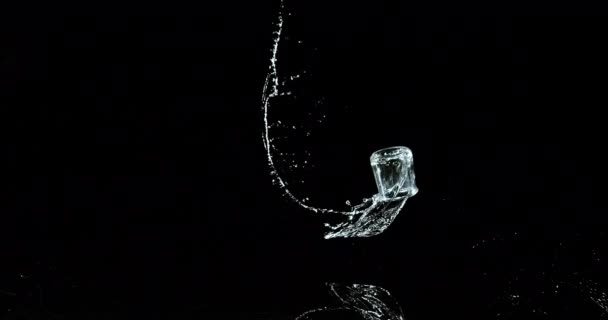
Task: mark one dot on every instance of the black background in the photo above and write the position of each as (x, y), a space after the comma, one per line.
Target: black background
(134, 180)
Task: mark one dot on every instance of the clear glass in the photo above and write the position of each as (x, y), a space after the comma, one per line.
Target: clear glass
(394, 172)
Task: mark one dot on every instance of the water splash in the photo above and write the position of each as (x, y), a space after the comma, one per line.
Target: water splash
(370, 302)
(367, 219)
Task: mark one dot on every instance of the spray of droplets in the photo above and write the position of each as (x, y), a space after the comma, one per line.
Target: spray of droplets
(271, 90)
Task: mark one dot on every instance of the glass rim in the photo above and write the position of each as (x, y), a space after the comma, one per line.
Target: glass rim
(395, 150)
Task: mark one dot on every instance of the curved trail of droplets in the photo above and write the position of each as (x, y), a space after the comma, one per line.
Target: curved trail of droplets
(271, 90)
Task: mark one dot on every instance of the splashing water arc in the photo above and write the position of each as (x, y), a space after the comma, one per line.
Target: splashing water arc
(393, 170)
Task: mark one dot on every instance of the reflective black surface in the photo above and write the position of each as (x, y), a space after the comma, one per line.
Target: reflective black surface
(134, 181)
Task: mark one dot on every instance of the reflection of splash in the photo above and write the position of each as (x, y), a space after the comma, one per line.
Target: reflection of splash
(369, 218)
(370, 302)
(594, 293)
(554, 289)
(546, 295)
